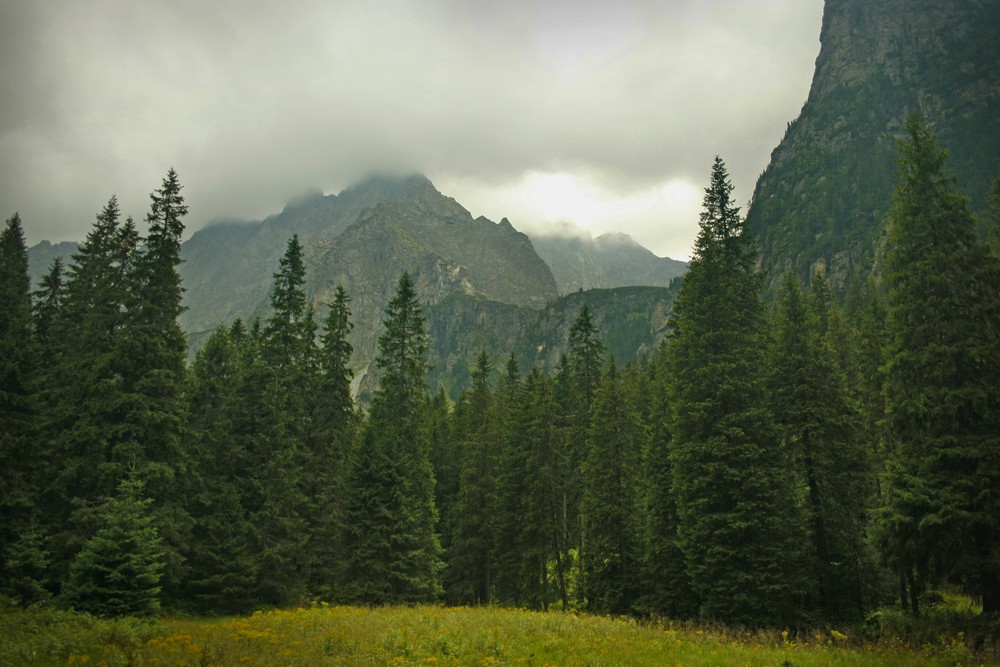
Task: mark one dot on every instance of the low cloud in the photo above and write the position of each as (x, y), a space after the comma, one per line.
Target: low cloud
(252, 102)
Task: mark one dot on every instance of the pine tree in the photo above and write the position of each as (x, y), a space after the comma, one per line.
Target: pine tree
(334, 424)
(529, 499)
(942, 392)
(585, 361)
(83, 388)
(667, 586)
(153, 350)
(19, 457)
(393, 552)
(471, 569)
(282, 455)
(819, 424)
(119, 569)
(735, 505)
(222, 564)
(611, 507)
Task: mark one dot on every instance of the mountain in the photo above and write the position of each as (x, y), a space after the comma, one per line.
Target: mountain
(483, 285)
(610, 260)
(445, 250)
(41, 255)
(821, 203)
(228, 267)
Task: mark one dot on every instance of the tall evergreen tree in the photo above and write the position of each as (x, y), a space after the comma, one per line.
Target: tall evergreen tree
(153, 355)
(393, 551)
(84, 390)
(19, 459)
(611, 507)
(282, 454)
(471, 568)
(222, 564)
(667, 586)
(943, 380)
(529, 499)
(735, 503)
(819, 424)
(334, 424)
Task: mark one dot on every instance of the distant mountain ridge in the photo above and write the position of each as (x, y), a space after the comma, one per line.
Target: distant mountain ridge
(483, 284)
(610, 260)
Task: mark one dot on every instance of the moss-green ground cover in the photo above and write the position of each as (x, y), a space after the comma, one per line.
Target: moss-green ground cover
(436, 636)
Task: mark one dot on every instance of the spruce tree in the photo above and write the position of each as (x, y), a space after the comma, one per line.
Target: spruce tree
(153, 350)
(941, 512)
(393, 551)
(19, 456)
(119, 569)
(819, 425)
(611, 508)
(83, 388)
(222, 564)
(667, 586)
(282, 454)
(529, 499)
(334, 424)
(736, 509)
(471, 567)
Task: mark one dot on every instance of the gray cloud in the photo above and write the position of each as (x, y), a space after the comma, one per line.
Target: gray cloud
(255, 101)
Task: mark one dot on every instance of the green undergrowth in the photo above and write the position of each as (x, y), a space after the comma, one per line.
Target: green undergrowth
(431, 635)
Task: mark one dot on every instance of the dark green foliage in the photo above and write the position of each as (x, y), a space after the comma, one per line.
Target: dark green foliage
(280, 449)
(667, 586)
(393, 554)
(22, 553)
(737, 516)
(83, 387)
(334, 424)
(118, 571)
(820, 427)
(611, 509)
(222, 565)
(479, 423)
(529, 499)
(152, 352)
(942, 389)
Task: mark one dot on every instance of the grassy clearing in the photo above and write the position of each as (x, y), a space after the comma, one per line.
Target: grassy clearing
(431, 636)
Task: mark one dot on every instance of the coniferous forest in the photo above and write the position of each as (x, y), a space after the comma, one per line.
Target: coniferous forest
(782, 460)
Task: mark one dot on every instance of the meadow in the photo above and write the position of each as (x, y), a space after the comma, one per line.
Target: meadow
(431, 635)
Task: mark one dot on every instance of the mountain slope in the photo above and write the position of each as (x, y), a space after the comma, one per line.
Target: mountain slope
(821, 202)
(228, 267)
(610, 260)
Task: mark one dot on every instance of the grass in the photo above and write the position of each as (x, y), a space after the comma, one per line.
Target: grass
(432, 635)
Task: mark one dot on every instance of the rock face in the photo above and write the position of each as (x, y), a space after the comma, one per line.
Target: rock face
(820, 205)
(228, 267)
(443, 248)
(610, 260)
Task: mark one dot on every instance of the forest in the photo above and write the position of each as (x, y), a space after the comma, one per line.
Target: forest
(782, 460)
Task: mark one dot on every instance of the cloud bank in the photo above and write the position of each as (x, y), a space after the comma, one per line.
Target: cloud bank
(606, 115)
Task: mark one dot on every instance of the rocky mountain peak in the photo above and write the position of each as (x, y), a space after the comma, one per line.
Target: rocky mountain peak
(820, 205)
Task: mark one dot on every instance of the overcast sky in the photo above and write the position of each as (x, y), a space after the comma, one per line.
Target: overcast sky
(605, 114)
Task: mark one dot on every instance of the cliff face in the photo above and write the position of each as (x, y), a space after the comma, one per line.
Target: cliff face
(228, 268)
(444, 250)
(820, 205)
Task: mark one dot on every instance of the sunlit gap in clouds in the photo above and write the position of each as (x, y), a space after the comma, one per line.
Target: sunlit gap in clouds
(662, 217)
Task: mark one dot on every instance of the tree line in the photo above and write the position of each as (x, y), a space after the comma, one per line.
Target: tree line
(781, 463)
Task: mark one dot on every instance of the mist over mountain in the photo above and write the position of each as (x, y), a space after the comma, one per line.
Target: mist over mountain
(610, 260)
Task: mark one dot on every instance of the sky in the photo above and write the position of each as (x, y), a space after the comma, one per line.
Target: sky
(590, 116)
